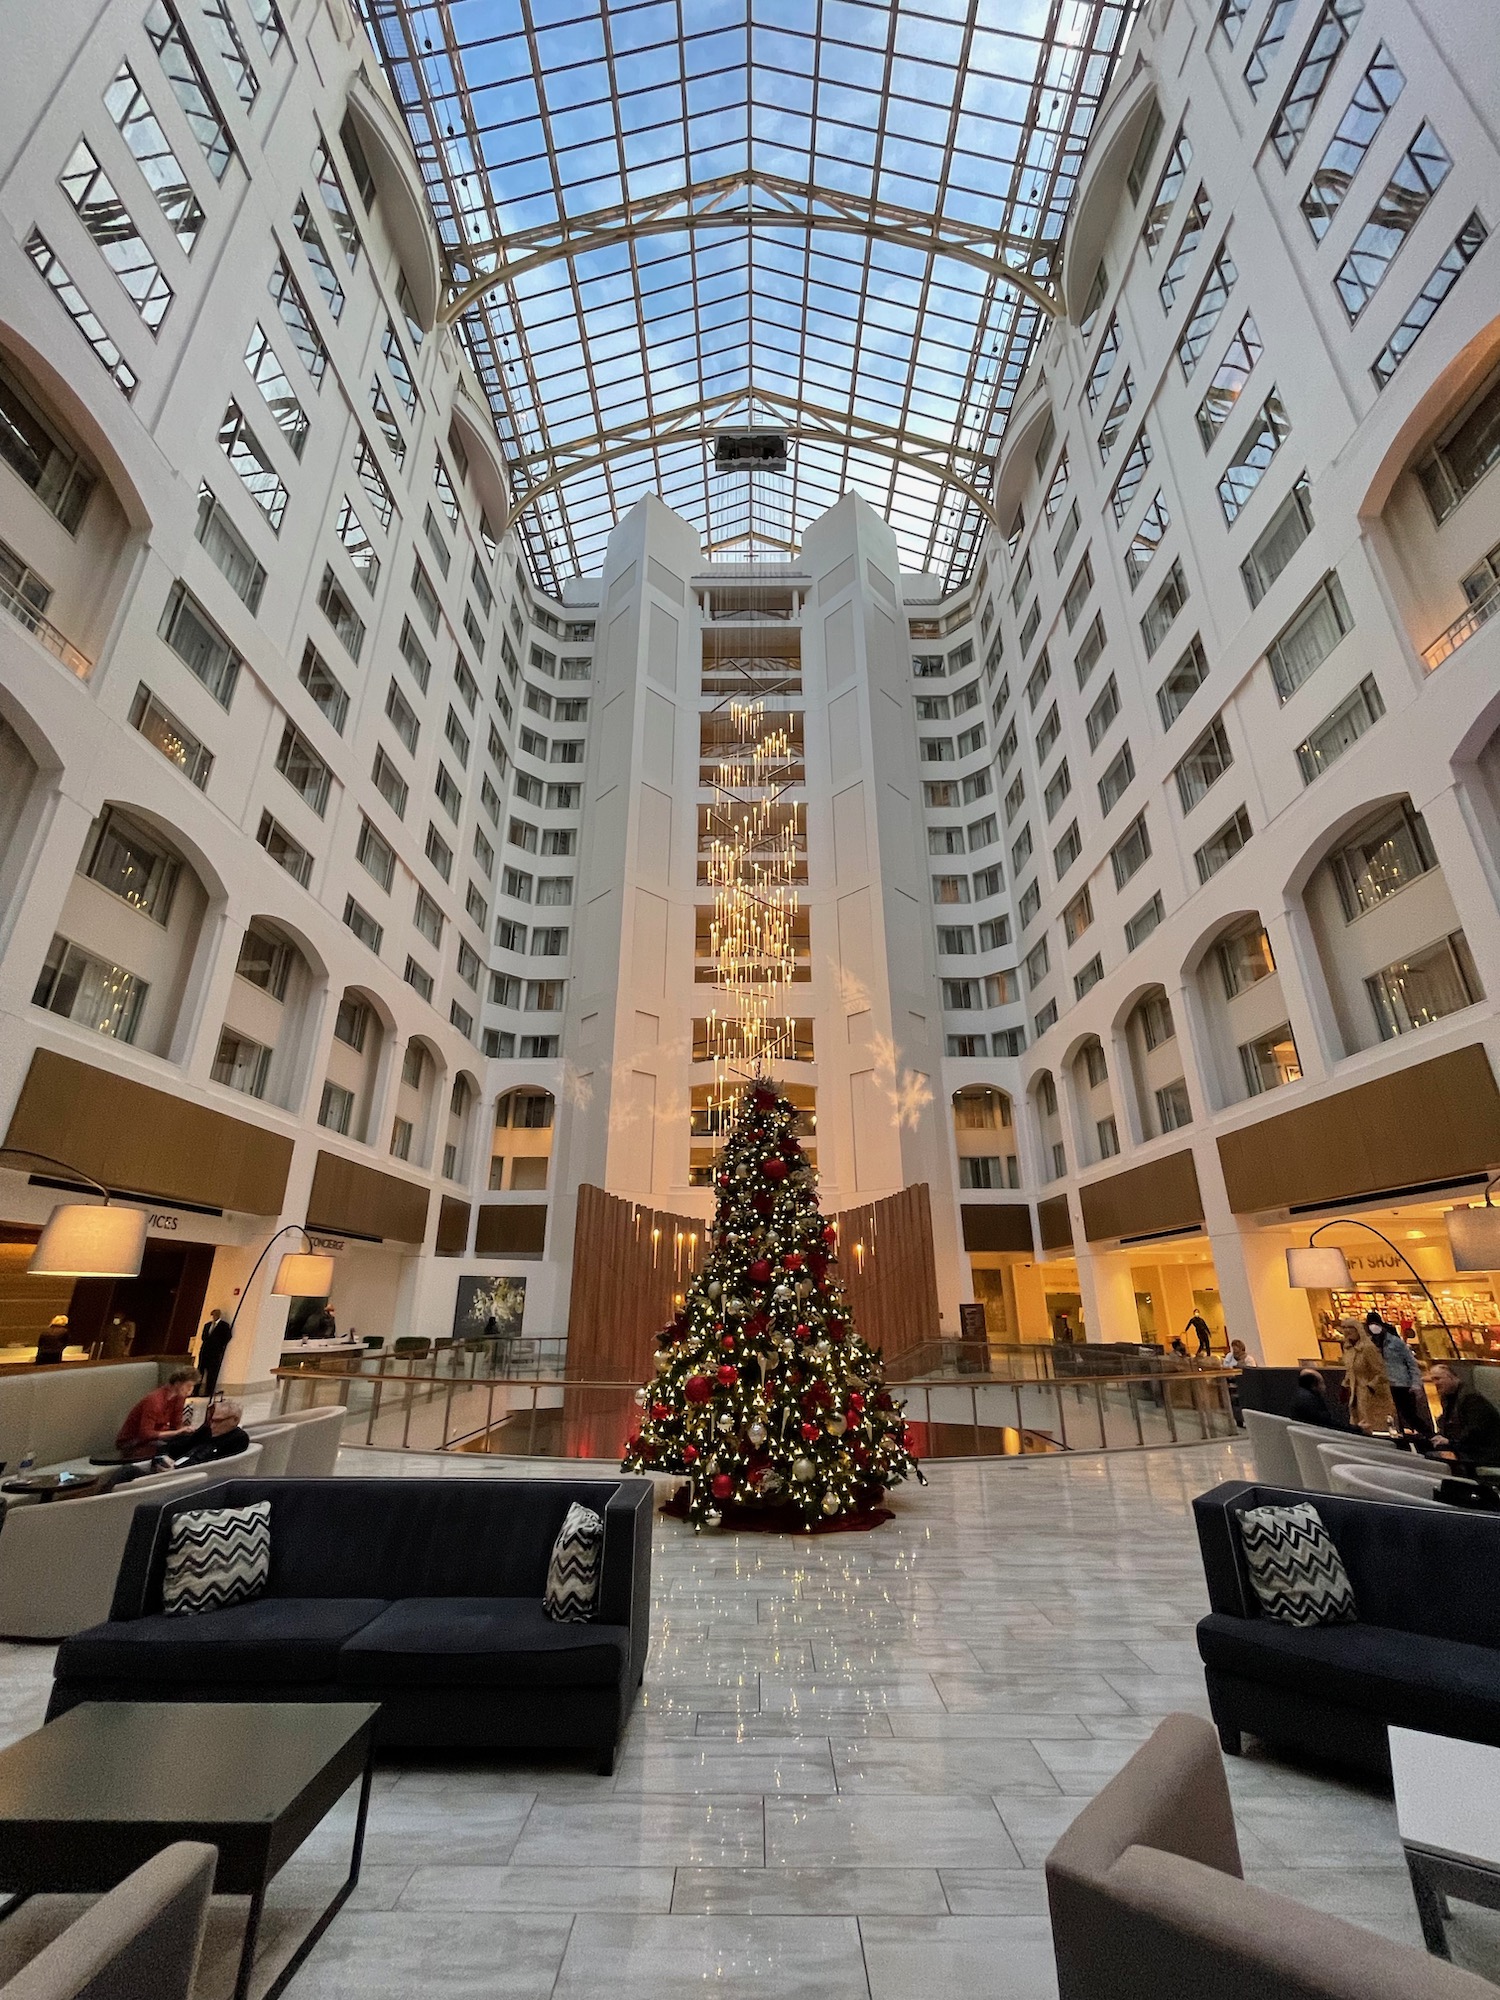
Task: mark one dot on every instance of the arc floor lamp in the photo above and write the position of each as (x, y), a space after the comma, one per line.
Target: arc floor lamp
(85, 1239)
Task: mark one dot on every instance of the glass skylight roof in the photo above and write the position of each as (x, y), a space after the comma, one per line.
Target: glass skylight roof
(912, 146)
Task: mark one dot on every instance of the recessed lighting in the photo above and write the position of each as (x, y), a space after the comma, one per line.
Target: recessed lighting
(1413, 1235)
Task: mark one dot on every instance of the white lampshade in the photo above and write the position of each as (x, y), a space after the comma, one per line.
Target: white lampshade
(90, 1240)
(1474, 1238)
(1317, 1268)
(303, 1276)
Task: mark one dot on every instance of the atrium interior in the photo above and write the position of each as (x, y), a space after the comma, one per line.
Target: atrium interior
(750, 773)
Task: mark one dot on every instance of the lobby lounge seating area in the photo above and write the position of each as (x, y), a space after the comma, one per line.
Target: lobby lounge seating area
(845, 1770)
(422, 1594)
(63, 1415)
(1425, 1645)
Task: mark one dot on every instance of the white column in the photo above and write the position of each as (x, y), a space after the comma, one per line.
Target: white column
(1461, 855)
(1108, 1292)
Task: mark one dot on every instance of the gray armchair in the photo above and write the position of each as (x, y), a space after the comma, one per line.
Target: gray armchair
(140, 1942)
(1148, 1902)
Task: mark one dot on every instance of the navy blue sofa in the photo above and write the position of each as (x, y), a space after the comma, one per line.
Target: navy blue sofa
(422, 1594)
(1424, 1652)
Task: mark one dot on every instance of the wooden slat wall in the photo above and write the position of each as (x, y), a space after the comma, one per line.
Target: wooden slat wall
(621, 1294)
(894, 1297)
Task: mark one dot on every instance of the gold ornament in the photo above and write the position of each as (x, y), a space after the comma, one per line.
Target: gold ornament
(835, 1427)
(830, 1503)
(726, 1422)
(663, 1363)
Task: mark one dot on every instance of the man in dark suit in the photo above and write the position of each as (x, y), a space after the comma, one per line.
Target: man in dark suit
(213, 1345)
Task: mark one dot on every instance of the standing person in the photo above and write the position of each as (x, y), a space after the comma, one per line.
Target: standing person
(1197, 1326)
(51, 1342)
(1471, 1423)
(1370, 1404)
(118, 1336)
(1402, 1374)
(213, 1345)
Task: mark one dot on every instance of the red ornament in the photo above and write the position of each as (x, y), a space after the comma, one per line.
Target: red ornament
(760, 1271)
(792, 1261)
(698, 1389)
(728, 1376)
(836, 1331)
(882, 1401)
(723, 1486)
(727, 1342)
(756, 1325)
(809, 1432)
(830, 1236)
(856, 1403)
(660, 1412)
(763, 1204)
(803, 1331)
(690, 1454)
(773, 1168)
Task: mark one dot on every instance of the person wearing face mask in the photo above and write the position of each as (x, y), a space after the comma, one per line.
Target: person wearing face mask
(1402, 1374)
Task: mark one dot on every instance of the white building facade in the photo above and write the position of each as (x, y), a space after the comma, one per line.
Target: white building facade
(349, 881)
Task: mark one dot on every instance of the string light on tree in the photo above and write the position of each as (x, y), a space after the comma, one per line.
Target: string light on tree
(763, 1393)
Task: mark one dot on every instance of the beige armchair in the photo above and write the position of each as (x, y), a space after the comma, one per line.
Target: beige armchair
(1148, 1902)
(58, 1562)
(1413, 1487)
(316, 1436)
(1270, 1442)
(140, 1942)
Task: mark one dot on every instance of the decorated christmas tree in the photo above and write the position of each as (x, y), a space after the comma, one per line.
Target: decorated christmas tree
(764, 1395)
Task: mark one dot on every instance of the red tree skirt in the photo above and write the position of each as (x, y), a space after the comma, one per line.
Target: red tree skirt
(784, 1519)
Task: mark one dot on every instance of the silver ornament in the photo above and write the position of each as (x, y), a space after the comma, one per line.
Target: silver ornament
(756, 1433)
(830, 1503)
(726, 1422)
(713, 1517)
(640, 1397)
(802, 1468)
(714, 1289)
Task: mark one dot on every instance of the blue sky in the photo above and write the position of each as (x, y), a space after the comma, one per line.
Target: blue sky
(527, 111)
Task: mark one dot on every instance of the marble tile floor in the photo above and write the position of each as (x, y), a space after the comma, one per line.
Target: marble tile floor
(850, 1758)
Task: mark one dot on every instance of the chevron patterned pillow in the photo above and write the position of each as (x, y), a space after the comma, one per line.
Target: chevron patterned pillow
(218, 1558)
(573, 1572)
(1296, 1571)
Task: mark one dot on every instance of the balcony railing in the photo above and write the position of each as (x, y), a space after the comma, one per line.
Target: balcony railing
(43, 629)
(1480, 612)
(443, 1411)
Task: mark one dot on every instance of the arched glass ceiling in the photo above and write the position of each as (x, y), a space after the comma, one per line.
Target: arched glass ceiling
(525, 113)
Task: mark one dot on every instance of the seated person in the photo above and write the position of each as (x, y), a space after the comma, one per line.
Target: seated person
(1470, 1429)
(1310, 1404)
(157, 1418)
(220, 1435)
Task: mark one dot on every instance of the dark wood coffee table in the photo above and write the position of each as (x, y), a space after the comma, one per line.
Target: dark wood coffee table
(91, 1796)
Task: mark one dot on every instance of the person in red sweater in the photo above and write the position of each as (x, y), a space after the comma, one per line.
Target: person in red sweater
(157, 1419)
